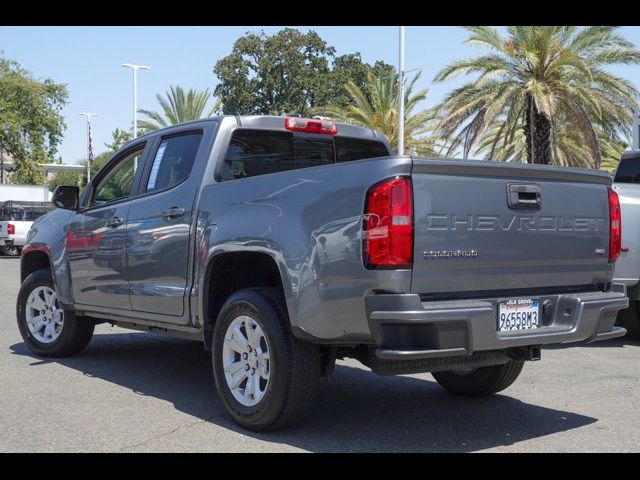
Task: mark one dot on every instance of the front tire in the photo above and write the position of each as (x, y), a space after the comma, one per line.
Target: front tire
(266, 378)
(629, 318)
(46, 329)
(479, 381)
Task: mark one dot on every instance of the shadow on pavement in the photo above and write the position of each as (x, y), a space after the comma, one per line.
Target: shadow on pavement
(614, 343)
(357, 411)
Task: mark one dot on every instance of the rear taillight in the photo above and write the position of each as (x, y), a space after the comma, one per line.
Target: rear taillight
(615, 226)
(297, 124)
(11, 229)
(388, 224)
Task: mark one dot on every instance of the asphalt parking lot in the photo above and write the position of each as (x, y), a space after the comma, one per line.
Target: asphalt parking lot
(131, 391)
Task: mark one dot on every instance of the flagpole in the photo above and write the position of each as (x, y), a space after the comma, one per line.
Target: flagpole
(89, 155)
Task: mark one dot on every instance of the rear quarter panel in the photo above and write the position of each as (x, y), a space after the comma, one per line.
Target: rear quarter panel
(310, 222)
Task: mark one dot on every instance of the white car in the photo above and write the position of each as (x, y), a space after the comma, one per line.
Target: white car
(16, 219)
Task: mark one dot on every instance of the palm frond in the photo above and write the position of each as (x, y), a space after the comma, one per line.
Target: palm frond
(179, 106)
(560, 71)
(376, 106)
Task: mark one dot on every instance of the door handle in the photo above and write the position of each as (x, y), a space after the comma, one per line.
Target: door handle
(173, 212)
(114, 222)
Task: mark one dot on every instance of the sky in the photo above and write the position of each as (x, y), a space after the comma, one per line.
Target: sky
(88, 60)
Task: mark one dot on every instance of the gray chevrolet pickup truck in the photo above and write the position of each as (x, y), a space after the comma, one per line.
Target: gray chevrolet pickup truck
(285, 243)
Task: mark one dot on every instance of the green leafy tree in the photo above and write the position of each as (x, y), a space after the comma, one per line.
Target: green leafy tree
(178, 106)
(119, 139)
(348, 69)
(31, 124)
(65, 178)
(287, 72)
(540, 93)
(98, 162)
(101, 160)
(376, 106)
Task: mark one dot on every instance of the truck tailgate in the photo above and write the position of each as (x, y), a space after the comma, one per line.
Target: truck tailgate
(489, 227)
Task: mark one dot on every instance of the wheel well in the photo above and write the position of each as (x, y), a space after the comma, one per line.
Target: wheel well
(231, 272)
(33, 261)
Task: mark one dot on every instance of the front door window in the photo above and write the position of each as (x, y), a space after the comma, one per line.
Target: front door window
(118, 182)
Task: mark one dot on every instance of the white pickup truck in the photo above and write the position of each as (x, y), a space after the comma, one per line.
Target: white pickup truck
(627, 270)
(16, 219)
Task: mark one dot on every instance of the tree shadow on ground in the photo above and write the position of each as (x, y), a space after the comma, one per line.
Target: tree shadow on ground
(356, 412)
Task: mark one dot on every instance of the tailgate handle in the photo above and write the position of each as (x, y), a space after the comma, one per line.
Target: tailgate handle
(524, 196)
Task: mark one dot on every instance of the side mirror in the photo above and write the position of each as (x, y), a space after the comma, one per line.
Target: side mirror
(67, 197)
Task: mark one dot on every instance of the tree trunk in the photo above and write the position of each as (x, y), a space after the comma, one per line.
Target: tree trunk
(537, 132)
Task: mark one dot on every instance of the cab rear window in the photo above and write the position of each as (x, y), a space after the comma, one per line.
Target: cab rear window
(349, 149)
(628, 170)
(259, 152)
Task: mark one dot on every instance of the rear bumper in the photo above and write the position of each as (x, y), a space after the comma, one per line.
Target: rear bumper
(6, 242)
(406, 328)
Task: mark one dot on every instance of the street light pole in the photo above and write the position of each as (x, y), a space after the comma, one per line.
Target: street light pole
(401, 95)
(88, 117)
(135, 69)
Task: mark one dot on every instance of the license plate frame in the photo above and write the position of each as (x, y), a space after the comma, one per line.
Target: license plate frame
(520, 314)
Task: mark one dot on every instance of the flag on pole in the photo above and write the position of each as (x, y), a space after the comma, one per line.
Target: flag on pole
(91, 156)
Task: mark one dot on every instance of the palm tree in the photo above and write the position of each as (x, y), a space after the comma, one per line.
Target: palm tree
(542, 92)
(568, 149)
(179, 106)
(376, 106)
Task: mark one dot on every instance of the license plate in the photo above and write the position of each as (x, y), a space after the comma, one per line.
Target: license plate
(521, 314)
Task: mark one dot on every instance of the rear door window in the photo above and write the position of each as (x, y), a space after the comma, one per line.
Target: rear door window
(173, 161)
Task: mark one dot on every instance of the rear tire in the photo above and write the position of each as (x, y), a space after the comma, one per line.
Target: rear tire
(629, 318)
(285, 370)
(480, 381)
(67, 339)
